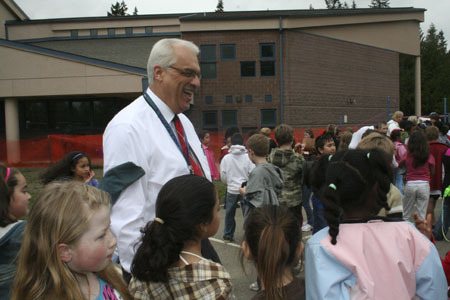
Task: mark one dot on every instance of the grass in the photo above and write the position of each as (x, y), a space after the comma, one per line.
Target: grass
(35, 186)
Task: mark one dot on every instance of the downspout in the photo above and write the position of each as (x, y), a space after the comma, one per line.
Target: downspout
(280, 50)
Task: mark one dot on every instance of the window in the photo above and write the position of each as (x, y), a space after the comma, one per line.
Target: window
(208, 61)
(210, 119)
(229, 118)
(228, 99)
(94, 32)
(74, 33)
(228, 51)
(248, 69)
(208, 99)
(268, 117)
(128, 31)
(268, 98)
(248, 98)
(111, 32)
(148, 29)
(267, 59)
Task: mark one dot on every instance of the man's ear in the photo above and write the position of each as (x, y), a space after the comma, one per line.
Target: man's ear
(65, 253)
(246, 250)
(157, 72)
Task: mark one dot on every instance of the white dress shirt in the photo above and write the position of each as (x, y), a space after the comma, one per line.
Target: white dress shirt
(137, 135)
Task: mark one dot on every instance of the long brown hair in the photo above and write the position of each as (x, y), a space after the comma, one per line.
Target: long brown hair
(272, 234)
(61, 214)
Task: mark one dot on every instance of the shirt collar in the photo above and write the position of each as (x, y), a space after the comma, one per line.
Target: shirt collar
(162, 106)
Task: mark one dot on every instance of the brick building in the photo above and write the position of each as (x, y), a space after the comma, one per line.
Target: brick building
(261, 68)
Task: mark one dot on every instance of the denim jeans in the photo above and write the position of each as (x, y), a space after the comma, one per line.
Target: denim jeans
(319, 214)
(398, 179)
(230, 211)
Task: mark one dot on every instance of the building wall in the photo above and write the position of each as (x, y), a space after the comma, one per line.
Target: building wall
(326, 79)
(5, 14)
(133, 51)
(229, 81)
(323, 80)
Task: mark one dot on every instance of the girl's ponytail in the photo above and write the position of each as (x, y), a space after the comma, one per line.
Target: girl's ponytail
(158, 251)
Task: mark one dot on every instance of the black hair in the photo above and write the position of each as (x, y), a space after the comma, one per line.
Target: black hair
(237, 139)
(272, 234)
(184, 203)
(322, 140)
(418, 148)
(406, 125)
(8, 181)
(230, 131)
(202, 134)
(356, 184)
(63, 169)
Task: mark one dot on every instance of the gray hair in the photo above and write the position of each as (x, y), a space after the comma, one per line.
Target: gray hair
(162, 54)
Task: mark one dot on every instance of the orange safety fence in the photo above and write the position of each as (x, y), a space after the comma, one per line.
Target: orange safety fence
(49, 149)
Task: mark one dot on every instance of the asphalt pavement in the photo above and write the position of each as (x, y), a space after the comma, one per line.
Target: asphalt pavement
(243, 275)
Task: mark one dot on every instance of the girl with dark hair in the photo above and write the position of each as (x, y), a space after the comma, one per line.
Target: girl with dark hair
(14, 200)
(272, 240)
(74, 165)
(168, 263)
(360, 255)
(419, 165)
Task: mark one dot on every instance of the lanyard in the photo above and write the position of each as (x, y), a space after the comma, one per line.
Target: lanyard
(168, 128)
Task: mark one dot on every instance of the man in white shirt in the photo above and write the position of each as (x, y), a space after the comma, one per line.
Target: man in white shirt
(144, 133)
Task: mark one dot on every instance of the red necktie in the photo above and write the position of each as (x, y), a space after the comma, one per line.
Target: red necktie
(194, 164)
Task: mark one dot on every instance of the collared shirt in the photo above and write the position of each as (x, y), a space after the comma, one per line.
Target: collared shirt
(137, 135)
(202, 280)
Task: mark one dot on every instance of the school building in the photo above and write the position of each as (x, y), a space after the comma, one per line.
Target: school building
(306, 68)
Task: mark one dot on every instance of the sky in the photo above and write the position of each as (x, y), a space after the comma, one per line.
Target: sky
(437, 10)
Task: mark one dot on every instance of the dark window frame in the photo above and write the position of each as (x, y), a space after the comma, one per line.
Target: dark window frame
(222, 52)
(268, 124)
(242, 63)
(232, 111)
(208, 64)
(267, 64)
(214, 125)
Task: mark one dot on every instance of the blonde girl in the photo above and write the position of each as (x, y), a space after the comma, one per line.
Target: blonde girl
(67, 247)
(13, 206)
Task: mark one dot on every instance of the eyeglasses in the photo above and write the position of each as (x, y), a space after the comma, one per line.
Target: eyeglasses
(189, 73)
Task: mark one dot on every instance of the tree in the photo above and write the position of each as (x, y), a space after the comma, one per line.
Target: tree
(118, 9)
(334, 4)
(379, 4)
(219, 7)
(435, 71)
(135, 12)
(353, 4)
(435, 74)
(311, 7)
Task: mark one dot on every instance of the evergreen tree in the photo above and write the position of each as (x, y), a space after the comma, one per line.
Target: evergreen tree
(435, 74)
(353, 4)
(334, 4)
(435, 70)
(118, 9)
(379, 4)
(135, 12)
(311, 7)
(219, 7)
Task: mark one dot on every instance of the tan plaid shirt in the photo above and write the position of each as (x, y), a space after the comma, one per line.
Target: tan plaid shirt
(202, 280)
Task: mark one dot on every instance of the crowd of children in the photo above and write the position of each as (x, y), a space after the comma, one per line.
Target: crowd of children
(362, 197)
